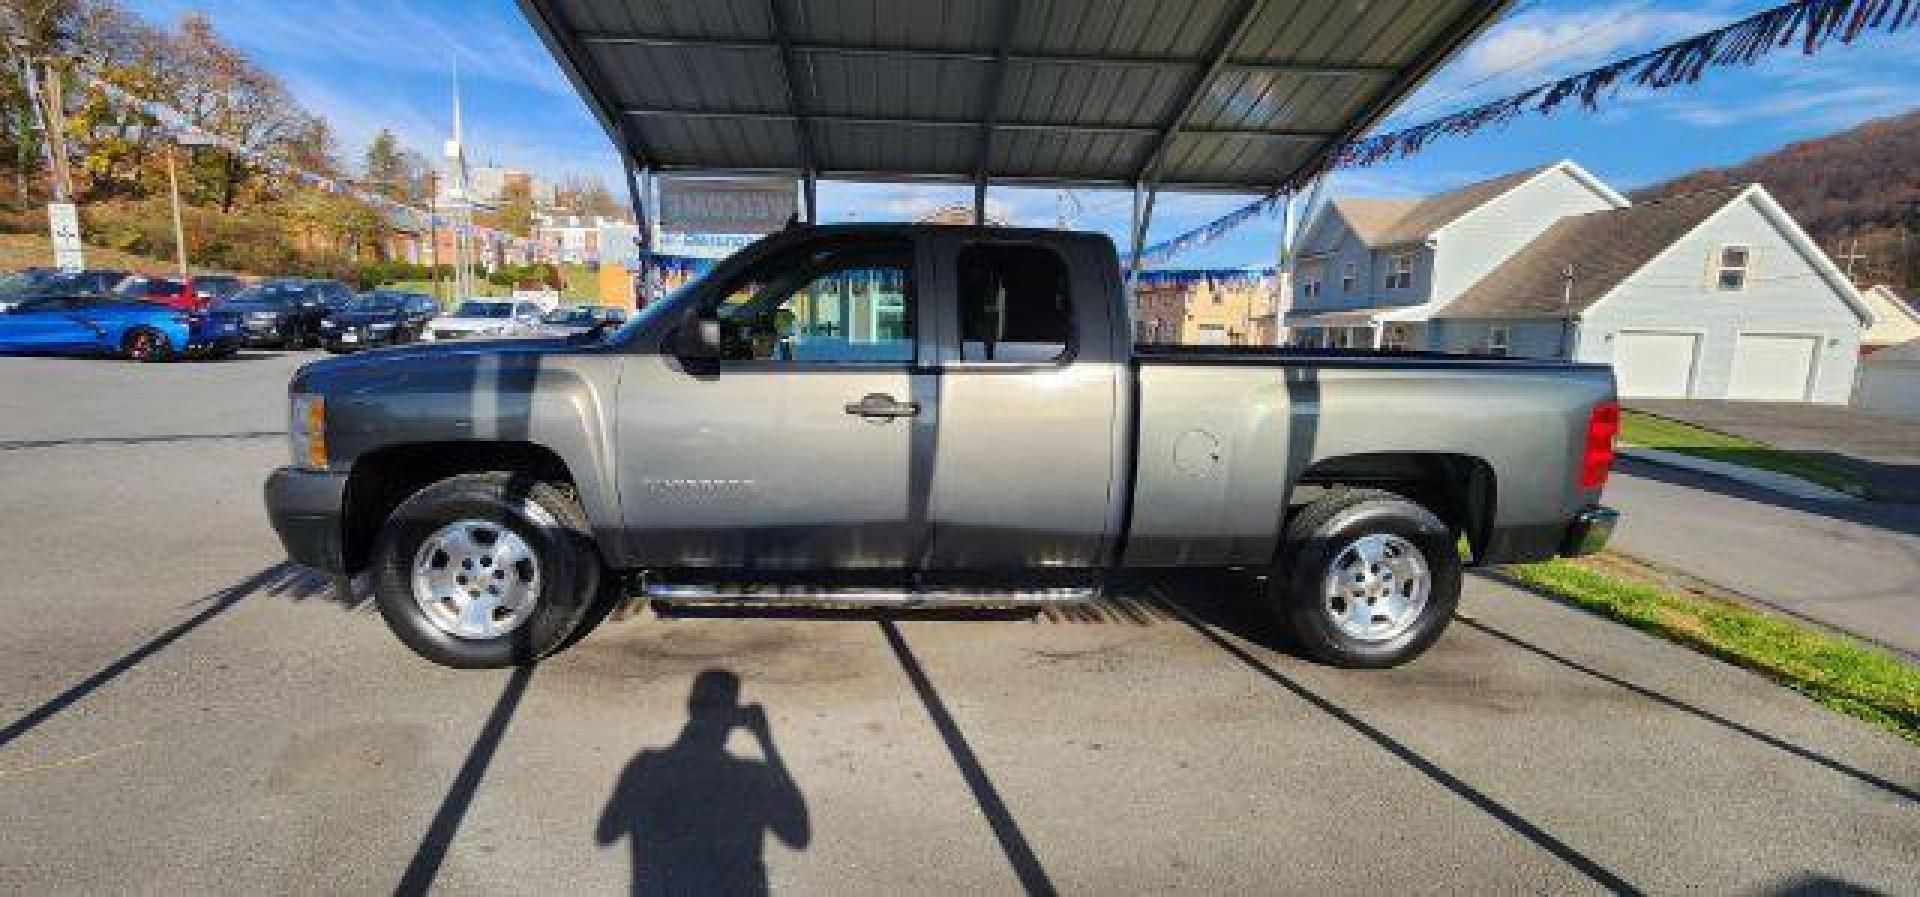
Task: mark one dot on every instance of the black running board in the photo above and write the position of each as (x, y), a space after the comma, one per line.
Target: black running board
(791, 594)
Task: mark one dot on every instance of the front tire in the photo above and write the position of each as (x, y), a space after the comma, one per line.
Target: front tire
(146, 345)
(1367, 579)
(486, 570)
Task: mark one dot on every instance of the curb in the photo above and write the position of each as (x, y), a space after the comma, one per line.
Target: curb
(1785, 484)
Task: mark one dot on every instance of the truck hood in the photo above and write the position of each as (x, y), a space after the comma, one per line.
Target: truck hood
(426, 363)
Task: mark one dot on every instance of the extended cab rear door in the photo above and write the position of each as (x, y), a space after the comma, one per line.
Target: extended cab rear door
(1027, 442)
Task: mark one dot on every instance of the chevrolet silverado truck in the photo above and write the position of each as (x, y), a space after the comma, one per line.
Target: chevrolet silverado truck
(923, 415)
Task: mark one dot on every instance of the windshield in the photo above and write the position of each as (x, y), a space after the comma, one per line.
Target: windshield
(20, 283)
(376, 302)
(580, 315)
(665, 306)
(484, 310)
(276, 294)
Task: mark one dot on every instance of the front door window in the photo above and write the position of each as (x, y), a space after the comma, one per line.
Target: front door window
(845, 305)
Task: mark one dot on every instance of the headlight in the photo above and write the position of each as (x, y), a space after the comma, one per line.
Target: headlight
(381, 326)
(261, 316)
(327, 325)
(307, 431)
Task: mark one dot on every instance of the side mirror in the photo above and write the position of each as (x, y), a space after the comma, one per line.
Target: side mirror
(698, 337)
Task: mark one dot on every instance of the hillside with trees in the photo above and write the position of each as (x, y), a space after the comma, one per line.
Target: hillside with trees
(244, 208)
(1860, 184)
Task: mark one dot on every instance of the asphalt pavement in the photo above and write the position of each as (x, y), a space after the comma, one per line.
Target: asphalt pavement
(181, 711)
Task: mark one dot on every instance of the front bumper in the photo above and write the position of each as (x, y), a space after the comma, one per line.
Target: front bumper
(305, 507)
(1589, 531)
(353, 340)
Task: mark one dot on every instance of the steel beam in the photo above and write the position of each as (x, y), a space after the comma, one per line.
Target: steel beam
(1223, 45)
(608, 38)
(796, 102)
(775, 115)
(990, 108)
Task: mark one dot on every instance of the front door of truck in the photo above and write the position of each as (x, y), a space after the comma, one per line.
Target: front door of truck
(1026, 449)
(799, 452)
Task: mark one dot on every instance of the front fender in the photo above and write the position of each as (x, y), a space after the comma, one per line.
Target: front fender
(560, 402)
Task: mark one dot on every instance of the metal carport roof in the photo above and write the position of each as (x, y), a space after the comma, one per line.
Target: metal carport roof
(1242, 95)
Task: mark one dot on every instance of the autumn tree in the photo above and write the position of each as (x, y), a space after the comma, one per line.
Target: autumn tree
(513, 213)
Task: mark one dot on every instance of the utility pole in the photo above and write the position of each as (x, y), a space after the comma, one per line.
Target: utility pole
(1566, 311)
(63, 219)
(173, 191)
(433, 231)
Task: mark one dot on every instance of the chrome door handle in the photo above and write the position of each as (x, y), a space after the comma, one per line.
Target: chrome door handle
(879, 404)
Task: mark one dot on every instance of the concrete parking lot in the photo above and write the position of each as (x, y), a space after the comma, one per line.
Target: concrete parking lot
(181, 711)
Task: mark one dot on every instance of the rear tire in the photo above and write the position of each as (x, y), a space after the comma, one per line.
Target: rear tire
(565, 565)
(1366, 579)
(146, 345)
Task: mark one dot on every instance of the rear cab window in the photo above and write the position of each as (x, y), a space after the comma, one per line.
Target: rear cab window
(1015, 304)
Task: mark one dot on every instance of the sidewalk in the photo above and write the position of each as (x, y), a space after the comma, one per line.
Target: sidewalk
(1882, 449)
(1752, 476)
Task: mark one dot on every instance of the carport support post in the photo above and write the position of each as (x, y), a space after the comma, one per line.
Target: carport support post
(809, 188)
(1142, 217)
(637, 193)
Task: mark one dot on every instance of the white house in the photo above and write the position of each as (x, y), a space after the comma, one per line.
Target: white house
(1714, 295)
(1895, 321)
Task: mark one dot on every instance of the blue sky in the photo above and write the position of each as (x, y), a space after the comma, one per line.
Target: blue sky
(368, 64)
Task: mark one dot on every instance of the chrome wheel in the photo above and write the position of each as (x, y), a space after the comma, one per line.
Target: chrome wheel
(476, 579)
(1376, 587)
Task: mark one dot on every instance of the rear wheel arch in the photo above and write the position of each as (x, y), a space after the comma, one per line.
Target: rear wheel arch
(1459, 489)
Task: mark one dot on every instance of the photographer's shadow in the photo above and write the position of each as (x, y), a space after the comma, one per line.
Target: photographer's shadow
(696, 816)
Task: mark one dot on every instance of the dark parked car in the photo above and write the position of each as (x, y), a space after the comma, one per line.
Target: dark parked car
(188, 294)
(33, 283)
(570, 320)
(378, 318)
(286, 311)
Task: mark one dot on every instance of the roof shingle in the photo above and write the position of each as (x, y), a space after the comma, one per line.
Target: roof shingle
(1604, 247)
(1392, 222)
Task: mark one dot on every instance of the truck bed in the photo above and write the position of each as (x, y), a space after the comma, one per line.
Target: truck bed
(1224, 433)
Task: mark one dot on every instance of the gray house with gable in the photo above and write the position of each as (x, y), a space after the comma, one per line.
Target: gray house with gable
(1716, 295)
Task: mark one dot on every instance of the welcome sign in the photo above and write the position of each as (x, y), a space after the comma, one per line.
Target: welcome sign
(726, 205)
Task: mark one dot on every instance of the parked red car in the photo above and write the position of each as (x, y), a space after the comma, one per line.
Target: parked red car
(191, 294)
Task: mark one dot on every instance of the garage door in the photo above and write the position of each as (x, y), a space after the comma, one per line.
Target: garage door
(1772, 367)
(1652, 365)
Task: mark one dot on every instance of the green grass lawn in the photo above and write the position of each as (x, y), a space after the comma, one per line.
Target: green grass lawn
(1653, 431)
(582, 285)
(1836, 671)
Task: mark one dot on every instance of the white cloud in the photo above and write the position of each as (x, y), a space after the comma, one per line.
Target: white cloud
(490, 44)
(1545, 43)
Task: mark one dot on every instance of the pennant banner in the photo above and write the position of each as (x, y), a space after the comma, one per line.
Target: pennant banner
(1811, 25)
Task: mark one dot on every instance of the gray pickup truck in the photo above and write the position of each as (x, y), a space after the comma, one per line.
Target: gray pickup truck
(925, 415)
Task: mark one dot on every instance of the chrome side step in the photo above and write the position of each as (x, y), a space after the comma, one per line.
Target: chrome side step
(863, 596)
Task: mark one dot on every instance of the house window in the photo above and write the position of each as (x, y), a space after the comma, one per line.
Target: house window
(1400, 271)
(1731, 271)
(1349, 276)
(1395, 337)
(1499, 340)
(1310, 277)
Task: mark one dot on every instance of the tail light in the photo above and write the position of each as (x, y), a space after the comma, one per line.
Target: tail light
(1596, 459)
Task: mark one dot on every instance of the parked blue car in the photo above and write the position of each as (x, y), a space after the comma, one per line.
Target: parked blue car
(129, 328)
